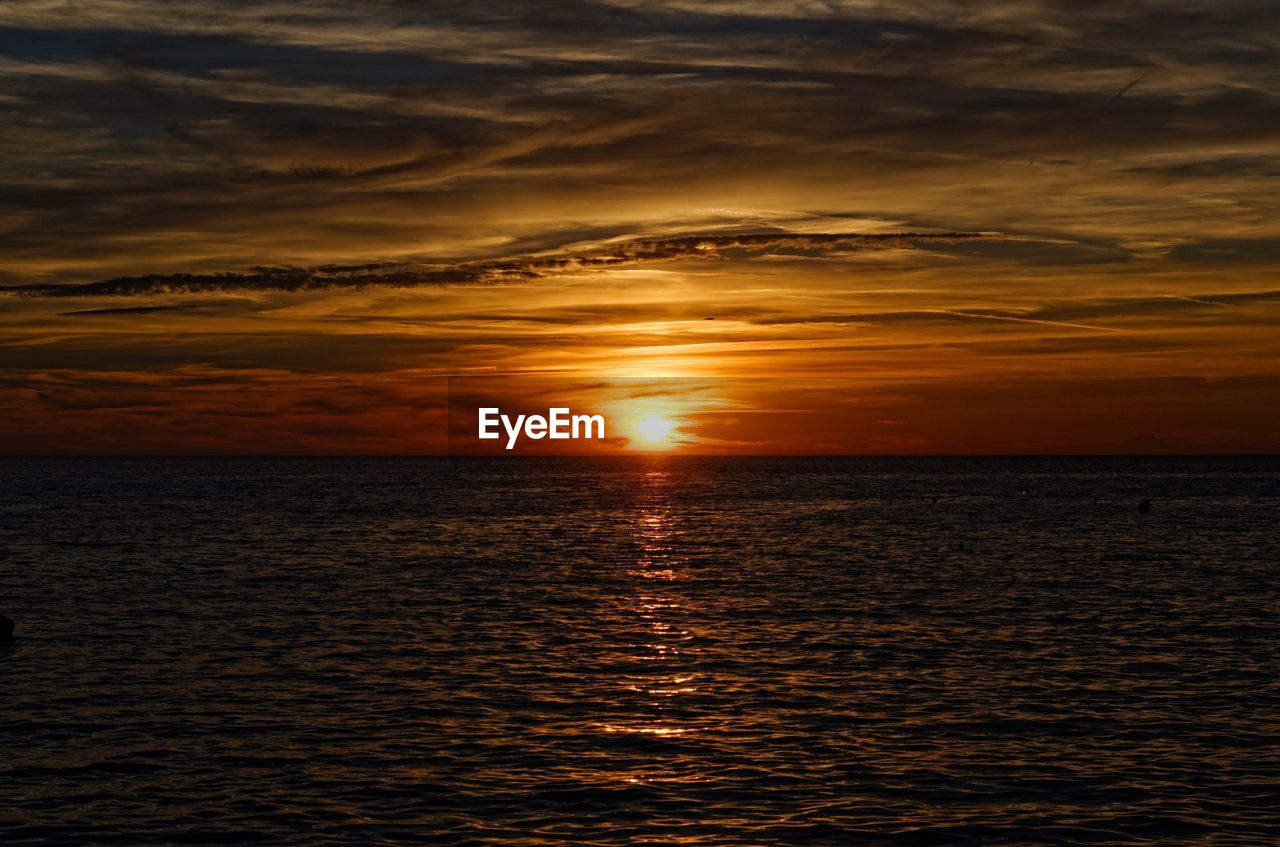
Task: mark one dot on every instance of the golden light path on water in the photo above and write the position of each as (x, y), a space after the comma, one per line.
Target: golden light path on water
(663, 650)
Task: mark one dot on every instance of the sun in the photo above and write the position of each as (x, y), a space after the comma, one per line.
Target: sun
(653, 429)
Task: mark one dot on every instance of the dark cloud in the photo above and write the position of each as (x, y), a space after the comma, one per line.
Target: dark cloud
(1214, 167)
(315, 353)
(132, 310)
(1038, 251)
(520, 269)
(1229, 250)
(378, 126)
(932, 315)
(1121, 307)
(1063, 315)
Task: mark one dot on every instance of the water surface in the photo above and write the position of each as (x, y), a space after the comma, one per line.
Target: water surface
(640, 651)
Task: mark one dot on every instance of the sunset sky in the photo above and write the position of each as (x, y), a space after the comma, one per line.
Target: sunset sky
(291, 227)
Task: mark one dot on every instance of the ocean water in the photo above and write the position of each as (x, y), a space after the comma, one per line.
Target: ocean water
(640, 651)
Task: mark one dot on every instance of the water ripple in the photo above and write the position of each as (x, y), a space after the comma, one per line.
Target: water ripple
(678, 651)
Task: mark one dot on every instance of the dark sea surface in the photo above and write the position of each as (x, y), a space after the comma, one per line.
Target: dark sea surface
(640, 651)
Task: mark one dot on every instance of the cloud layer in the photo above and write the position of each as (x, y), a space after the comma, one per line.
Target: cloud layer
(208, 207)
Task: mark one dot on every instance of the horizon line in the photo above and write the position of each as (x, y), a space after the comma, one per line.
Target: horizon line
(635, 455)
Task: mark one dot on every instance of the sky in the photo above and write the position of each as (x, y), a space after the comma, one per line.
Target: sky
(807, 227)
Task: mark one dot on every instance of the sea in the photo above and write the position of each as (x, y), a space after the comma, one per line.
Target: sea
(640, 650)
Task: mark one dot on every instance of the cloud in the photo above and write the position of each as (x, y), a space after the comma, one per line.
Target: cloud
(386, 184)
(933, 314)
(152, 136)
(1067, 315)
(1229, 250)
(131, 310)
(514, 270)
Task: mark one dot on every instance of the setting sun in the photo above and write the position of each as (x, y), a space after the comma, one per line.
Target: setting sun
(654, 429)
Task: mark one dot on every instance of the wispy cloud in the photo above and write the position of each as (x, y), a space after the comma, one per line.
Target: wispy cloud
(131, 310)
(494, 272)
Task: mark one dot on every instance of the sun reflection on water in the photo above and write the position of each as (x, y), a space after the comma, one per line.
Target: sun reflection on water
(659, 680)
